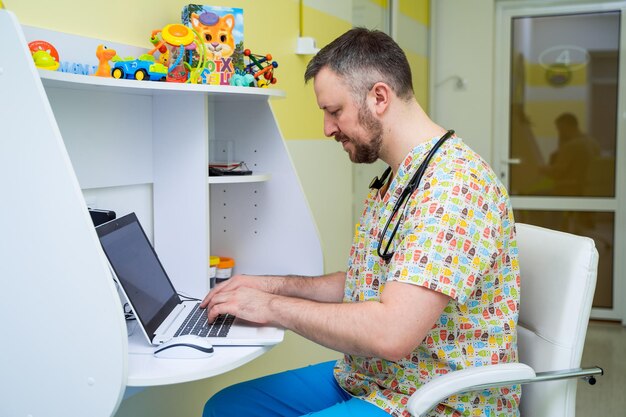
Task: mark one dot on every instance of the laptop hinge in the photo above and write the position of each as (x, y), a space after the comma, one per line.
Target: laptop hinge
(172, 318)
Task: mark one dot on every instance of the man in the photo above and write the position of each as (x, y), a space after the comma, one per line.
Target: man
(446, 299)
(570, 162)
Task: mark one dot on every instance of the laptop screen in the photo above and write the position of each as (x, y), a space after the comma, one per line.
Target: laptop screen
(138, 270)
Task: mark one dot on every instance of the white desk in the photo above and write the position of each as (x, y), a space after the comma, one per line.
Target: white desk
(144, 370)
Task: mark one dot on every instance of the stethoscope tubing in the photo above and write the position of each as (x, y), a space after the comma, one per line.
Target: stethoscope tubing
(406, 192)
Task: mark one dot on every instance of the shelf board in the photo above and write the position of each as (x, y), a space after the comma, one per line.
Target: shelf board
(218, 92)
(239, 179)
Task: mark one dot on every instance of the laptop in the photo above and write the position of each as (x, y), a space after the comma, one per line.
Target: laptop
(160, 311)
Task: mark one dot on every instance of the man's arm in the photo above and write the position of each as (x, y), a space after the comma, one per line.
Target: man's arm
(389, 329)
(325, 288)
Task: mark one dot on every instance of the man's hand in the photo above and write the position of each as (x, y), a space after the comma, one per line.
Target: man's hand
(246, 303)
(263, 283)
(230, 297)
(327, 288)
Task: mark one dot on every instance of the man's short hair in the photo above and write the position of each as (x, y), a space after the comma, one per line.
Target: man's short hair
(567, 119)
(363, 57)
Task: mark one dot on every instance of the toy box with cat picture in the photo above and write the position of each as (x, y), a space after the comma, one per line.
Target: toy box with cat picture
(221, 28)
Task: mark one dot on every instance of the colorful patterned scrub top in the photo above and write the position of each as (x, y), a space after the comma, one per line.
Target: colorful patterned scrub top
(458, 238)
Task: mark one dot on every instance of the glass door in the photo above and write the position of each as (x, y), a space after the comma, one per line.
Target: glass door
(560, 126)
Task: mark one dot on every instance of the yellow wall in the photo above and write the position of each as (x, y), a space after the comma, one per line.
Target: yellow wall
(325, 172)
(412, 35)
(418, 10)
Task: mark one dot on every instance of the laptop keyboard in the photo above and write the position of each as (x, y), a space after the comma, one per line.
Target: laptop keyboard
(197, 324)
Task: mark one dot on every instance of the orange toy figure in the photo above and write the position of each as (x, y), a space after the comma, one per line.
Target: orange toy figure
(104, 55)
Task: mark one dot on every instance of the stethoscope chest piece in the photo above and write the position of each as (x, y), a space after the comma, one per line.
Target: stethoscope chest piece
(377, 183)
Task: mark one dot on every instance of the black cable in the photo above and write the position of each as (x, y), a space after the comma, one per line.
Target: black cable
(186, 297)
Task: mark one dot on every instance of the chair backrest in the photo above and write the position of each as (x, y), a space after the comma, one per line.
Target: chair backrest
(558, 277)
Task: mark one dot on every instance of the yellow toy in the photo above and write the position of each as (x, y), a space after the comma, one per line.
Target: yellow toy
(43, 60)
(45, 55)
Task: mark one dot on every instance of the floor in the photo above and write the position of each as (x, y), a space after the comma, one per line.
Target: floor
(605, 347)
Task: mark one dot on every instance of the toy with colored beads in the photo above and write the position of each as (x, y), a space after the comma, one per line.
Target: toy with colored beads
(261, 67)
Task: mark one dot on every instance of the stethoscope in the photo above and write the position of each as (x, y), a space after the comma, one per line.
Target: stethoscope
(410, 188)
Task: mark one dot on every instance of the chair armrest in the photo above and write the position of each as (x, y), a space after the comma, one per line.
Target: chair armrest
(440, 388)
(475, 379)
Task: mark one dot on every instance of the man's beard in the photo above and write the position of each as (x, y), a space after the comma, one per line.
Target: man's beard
(365, 151)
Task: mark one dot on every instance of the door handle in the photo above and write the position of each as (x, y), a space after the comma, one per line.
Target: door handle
(512, 161)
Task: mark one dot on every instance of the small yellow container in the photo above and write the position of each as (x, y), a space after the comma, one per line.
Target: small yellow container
(213, 262)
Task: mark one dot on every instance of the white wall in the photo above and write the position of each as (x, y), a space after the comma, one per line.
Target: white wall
(462, 39)
(326, 175)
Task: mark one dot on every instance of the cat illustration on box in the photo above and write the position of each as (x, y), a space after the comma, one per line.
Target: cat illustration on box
(217, 33)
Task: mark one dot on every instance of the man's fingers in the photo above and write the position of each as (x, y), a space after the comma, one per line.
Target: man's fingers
(206, 300)
(215, 291)
(212, 314)
(217, 304)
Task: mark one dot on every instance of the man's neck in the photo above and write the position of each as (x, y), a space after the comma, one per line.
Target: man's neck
(406, 128)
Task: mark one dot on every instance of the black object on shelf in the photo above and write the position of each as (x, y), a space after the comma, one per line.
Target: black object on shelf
(218, 170)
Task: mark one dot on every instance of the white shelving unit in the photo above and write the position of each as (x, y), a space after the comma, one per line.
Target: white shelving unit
(150, 141)
(137, 146)
(240, 179)
(61, 79)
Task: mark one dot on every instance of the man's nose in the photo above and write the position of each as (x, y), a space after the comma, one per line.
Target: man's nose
(330, 127)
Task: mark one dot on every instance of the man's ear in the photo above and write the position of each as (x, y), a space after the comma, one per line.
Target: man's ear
(380, 96)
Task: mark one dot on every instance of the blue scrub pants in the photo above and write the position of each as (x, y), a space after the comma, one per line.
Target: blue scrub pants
(310, 391)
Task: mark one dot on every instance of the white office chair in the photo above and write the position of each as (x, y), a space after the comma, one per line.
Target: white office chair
(558, 272)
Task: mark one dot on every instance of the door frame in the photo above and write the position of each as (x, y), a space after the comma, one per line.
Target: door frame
(505, 10)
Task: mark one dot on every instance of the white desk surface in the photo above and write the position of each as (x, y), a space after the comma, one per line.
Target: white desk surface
(145, 370)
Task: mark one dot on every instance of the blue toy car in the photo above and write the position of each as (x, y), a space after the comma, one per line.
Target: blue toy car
(139, 69)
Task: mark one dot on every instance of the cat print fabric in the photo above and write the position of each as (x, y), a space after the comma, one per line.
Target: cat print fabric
(456, 237)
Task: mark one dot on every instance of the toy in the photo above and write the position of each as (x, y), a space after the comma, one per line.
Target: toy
(220, 29)
(77, 68)
(216, 32)
(176, 38)
(104, 55)
(142, 68)
(261, 67)
(184, 51)
(242, 79)
(157, 42)
(45, 55)
(200, 73)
